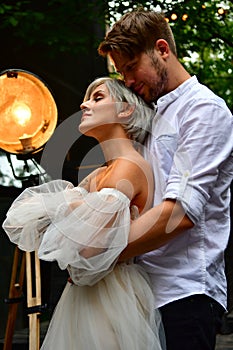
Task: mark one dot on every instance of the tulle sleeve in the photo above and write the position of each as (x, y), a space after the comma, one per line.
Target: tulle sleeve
(89, 239)
(35, 208)
(83, 232)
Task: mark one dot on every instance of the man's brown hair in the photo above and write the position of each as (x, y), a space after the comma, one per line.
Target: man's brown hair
(137, 32)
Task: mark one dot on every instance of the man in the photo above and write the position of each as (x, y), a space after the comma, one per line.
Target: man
(181, 240)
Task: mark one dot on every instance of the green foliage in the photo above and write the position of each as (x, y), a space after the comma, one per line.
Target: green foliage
(204, 37)
(55, 25)
(204, 40)
(209, 35)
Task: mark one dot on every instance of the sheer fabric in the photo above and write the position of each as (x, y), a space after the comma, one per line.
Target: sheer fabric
(110, 306)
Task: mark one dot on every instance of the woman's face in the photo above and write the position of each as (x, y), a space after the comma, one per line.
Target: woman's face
(98, 113)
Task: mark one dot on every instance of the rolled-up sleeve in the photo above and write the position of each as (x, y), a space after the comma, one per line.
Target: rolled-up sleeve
(199, 161)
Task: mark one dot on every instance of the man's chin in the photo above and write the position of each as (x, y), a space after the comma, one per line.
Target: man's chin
(147, 98)
(142, 95)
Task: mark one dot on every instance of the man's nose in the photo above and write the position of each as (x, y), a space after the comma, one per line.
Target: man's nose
(129, 80)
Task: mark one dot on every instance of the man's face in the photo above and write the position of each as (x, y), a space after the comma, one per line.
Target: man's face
(145, 74)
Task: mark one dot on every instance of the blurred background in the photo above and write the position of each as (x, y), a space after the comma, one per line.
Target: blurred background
(57, 40)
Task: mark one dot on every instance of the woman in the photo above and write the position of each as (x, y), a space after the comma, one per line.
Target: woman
(107, 305)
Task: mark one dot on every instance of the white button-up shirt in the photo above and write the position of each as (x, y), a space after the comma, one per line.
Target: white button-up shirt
(190, 149)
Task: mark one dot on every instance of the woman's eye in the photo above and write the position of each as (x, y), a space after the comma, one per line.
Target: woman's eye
(96, 99)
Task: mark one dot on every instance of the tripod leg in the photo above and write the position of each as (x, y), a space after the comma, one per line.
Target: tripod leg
(15, 296)
(33, 302)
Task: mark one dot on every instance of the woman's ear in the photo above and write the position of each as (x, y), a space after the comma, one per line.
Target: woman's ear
(128, 110)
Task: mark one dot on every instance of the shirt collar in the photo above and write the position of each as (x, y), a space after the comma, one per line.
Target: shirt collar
(164, 101)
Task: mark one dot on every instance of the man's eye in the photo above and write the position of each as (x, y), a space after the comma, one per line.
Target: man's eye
(129, 67)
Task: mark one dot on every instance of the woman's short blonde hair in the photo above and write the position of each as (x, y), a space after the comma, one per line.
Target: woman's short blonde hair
(138, 124)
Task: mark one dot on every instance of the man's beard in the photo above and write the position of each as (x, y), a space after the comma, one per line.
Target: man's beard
(158, 88)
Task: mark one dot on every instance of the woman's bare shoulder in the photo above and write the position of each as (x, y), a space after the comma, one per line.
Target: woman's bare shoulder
(133, 176)
(86, 182)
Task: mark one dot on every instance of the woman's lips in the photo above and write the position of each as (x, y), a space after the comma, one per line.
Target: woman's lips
(85, 115)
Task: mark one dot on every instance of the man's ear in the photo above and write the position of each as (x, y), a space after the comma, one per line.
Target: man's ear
(162, 47)
(128, 110)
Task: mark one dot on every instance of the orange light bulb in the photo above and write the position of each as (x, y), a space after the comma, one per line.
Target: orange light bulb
(21, 113)
(174, 16)
(185, 17)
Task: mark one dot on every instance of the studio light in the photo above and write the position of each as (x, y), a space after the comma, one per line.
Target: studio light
(28, 112)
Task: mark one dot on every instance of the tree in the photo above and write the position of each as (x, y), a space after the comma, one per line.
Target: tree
(57, 25)
(56, 40)
(203, 31)
(204, 35)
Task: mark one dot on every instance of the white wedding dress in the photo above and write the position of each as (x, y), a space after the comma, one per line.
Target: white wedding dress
(110, 306)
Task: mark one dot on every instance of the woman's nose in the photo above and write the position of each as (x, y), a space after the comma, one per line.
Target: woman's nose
(83, 105)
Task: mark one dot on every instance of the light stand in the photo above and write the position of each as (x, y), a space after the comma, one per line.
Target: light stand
(28, 117)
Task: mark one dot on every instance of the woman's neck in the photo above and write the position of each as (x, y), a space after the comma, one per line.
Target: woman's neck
(116, 148)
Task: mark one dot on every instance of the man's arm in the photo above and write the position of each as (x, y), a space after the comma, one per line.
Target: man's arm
(155, 228)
